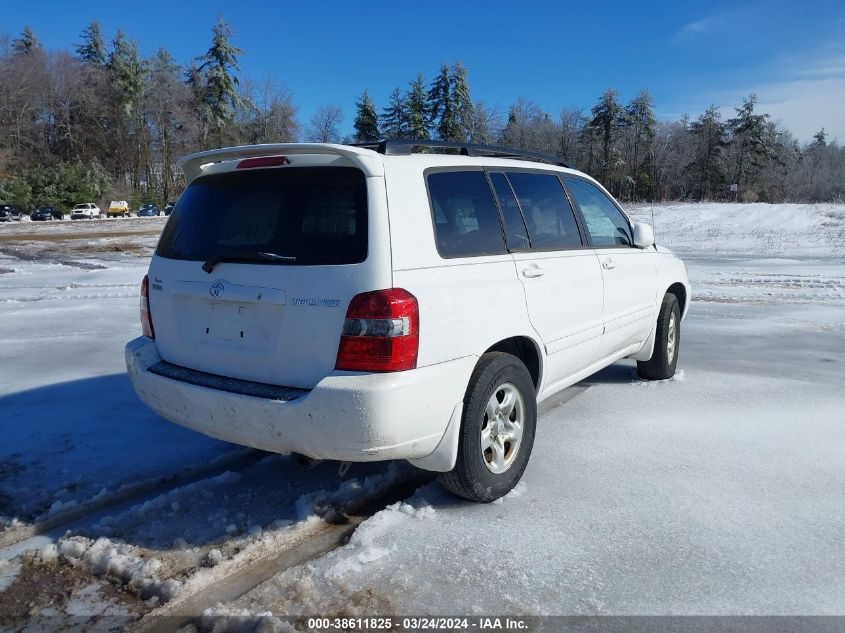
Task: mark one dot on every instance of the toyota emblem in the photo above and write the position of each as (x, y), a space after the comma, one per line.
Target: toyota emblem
(217, 289)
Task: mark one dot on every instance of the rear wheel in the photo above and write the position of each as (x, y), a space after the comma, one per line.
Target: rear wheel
(667, 342)
(497, 429)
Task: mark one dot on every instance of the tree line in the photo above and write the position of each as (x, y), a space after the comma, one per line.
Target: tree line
(102, 121)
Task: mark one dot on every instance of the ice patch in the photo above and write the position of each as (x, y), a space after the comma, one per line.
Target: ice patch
(9, 570)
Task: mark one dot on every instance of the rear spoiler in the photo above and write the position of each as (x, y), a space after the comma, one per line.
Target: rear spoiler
(193, 164)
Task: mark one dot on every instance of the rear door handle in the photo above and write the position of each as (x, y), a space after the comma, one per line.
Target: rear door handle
(533, 271)
(608, 264)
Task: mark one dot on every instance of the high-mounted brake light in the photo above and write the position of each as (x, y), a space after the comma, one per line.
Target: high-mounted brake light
(381, 332)
(146, 316)
(263, 161)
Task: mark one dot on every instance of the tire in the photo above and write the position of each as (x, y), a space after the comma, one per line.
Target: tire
(667, 342)
(487, 475)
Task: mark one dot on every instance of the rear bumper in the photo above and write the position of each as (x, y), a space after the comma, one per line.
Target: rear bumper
(346, 416)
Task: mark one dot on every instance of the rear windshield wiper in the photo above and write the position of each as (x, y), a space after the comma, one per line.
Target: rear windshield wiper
(251, 256)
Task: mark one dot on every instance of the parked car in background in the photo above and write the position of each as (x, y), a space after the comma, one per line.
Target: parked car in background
(42, 214)
(333, 301)
(169, 207)
(148, 210)
(118, 209)
(85, 211)
(9, 213)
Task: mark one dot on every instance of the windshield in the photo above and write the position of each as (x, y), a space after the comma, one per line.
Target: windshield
(308, 215)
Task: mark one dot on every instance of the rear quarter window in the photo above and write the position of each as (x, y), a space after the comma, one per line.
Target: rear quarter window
(466, 221)
(312, 215)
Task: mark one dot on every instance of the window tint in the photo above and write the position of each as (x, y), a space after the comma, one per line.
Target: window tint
(515, 231)
(314, 215)
(466, 221)
(605, 223)
(550, 220)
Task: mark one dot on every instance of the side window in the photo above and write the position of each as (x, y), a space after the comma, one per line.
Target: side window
(605, 224)
(548, 216)
(466, 221)
(515, 231)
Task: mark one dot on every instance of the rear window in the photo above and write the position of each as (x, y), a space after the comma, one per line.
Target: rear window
(308, 215)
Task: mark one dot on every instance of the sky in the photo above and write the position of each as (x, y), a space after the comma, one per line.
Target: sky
(558, 54)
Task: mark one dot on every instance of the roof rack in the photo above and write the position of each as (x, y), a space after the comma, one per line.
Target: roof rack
(406, 146)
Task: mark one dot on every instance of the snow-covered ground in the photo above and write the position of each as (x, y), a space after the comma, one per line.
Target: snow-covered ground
(71, 425)
(718, 492)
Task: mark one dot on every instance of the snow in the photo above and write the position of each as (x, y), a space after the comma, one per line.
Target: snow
(719, 491)
(367, 543)
(73, 429)
(122, 562)
(762, 230)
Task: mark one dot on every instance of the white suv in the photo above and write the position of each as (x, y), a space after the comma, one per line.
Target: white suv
(375, 303)
(85, 211)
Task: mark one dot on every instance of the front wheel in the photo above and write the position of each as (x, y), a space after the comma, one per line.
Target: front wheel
(667, 342)
(497, 429)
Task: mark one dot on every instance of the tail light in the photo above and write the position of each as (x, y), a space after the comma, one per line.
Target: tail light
(381, 332)
(146, 317)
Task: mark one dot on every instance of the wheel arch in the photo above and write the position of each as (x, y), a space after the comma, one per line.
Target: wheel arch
(525, 349)
(680, 291)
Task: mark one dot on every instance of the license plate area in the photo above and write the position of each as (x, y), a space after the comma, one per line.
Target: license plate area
(226, 322)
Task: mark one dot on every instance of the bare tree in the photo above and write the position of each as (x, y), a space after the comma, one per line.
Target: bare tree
(324, 126)
(269, 115)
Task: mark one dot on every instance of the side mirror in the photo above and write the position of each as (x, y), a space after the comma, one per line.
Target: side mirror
(643, 235)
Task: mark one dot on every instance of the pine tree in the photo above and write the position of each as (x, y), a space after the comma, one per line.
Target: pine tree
(461, 102)
(441, 112)
(394, 118)
(220, 96)
(815, 152)
(751, 140)
(819, 139)
(92, 50)
(640, 121)
(418, 123)
(607, 114)
(709, 137)
(366, 120)
(27, 43)
(126, 73)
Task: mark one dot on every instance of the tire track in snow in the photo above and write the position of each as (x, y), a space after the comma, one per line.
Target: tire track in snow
(14, 540)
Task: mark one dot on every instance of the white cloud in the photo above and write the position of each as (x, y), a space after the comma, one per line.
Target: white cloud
(807, 105)
(808, 94)
(700, 26)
